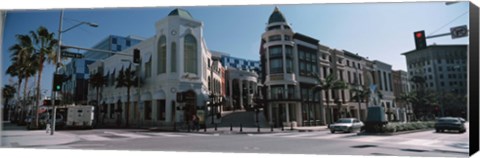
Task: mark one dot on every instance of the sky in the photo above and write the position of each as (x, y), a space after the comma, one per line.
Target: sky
(379, 31)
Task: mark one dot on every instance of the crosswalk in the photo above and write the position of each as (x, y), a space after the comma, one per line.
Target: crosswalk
(112, 136)
(324, 135)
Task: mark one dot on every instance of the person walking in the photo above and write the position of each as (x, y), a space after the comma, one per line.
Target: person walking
(196, 123)
(47, 122)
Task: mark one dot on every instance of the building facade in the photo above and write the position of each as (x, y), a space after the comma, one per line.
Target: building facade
(175, 61)
(401, 87)
(75, 88)
(441, 69)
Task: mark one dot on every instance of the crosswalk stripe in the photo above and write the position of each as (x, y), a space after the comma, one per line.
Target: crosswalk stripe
(94, 138)
(130, 135)
(305, 135)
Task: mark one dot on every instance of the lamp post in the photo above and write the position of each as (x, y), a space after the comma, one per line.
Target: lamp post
(59, 54)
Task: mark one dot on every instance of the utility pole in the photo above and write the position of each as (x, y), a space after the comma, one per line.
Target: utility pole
(56, 71)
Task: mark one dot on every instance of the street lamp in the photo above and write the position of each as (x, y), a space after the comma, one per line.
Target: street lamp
(59, 54)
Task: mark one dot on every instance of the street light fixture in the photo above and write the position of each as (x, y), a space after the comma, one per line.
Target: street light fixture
(59, 54)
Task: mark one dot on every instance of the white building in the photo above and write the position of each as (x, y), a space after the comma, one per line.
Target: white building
(175, 60)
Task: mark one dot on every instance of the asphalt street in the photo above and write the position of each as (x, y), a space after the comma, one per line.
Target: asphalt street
(426, 143)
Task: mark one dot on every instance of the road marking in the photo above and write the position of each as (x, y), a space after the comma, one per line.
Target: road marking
(304, 135)
(93, 138)
(130, 135)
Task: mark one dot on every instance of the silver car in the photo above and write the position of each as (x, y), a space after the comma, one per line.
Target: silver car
(346, 125)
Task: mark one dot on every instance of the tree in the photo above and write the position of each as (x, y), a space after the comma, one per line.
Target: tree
(126, 78)
(361, 94)
(44, 45)
(327, 84)
(8, 92)
(97, 81)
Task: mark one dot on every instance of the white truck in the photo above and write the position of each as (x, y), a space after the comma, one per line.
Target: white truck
(80, 116)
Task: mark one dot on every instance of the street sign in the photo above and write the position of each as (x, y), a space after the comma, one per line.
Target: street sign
(71, 55)
(459, 31)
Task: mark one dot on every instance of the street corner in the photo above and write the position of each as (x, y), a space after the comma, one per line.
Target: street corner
(39, 139)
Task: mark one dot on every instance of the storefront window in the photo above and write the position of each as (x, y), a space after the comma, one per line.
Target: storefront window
(161, 110)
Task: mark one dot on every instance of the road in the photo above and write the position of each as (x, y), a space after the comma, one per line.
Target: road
(426, 143)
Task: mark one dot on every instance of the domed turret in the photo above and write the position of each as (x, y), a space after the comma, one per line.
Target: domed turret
(276, 16)
(181, 13)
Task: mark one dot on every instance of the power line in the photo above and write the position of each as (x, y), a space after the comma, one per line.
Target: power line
(448, 23)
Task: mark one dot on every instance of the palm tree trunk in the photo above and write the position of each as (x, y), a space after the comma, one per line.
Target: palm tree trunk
(25, 90)
(40, 69)
(128, 105)
(17, 115)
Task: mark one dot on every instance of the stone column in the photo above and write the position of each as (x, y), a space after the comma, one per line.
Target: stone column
(270, 113)
(240, 85)
(299, 114)
(287, 113)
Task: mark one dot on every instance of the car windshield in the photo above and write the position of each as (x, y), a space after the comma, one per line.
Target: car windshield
(344, 121)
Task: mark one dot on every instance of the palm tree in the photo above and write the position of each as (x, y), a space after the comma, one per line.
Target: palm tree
(361, 94)
(127, 79)
(97, 81)
(8, 92)
(44, 45)
(329, 83)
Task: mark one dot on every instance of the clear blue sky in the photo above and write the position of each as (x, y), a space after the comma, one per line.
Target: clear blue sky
(379, 31)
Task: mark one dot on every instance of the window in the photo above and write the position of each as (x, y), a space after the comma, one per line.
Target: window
(114, 40)
(190, 58)
(162, 55)
(431, 84)
(291, 91)
(441, 76)
(148, 110)
(442, 84)
(119, 48)
(349, 76)
(289, 65)
(429, 70)
(276, 66)
(127, 42)
(276, 27)
(287, 38)
(348, 63)
(275, 38)
(439, 68)
(161, 110)
(289, 51)
(277, 92)
(173, 58)
(275, 51)
(148, 68)
(429, 76)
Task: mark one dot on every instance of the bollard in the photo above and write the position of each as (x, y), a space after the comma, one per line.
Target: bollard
(271, 128)
(215, 127)
(188, 128)
(282, 127)
(291, 126)
(205, 129)
(258, 128)
(231, 127)
(241, 130)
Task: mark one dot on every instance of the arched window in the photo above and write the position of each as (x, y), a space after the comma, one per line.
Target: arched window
(190, 56)
(173, 56)
(162, 55)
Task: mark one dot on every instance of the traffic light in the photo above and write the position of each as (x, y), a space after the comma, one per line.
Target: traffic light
(57, 82)
(420, 41)
(136, 56)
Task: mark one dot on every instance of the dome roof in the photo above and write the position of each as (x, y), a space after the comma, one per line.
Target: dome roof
(180, 12)
(276, 16)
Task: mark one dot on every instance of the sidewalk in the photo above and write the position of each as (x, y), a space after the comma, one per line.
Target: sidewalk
(15, 137)
(246, 130)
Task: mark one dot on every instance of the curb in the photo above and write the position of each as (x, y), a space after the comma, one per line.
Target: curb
(451, 151)
(394, 133)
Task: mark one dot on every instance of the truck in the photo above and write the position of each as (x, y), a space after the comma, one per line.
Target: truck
(79, 116)
(376, 119)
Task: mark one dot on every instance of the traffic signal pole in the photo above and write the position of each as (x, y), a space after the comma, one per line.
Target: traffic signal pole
(56, 71)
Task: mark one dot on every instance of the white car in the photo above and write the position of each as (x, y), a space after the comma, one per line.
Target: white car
(346, 125)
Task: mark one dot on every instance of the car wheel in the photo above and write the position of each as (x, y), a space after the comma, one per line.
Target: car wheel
(437, 130)
(332, 131)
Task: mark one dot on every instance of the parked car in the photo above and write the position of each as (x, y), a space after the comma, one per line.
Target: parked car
(346, 125)
(449, 123)
(42, 121)
(461, 119)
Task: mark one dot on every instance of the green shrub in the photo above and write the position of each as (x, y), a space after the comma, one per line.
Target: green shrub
(397, 127)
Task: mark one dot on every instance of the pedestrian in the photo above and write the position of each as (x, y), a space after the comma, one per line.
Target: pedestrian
(195, 121)
(47, 121)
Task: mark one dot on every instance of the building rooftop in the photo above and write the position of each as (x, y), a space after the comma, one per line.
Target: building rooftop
(436, 46)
